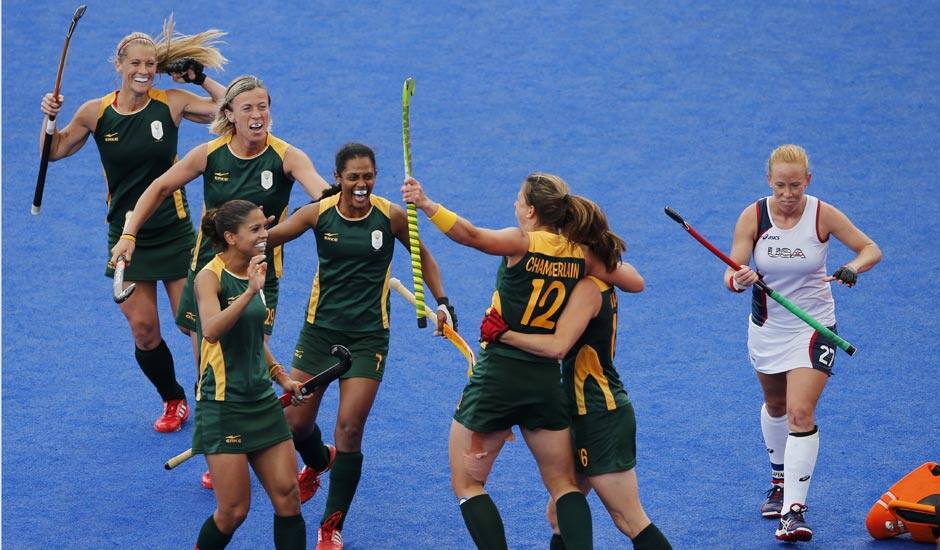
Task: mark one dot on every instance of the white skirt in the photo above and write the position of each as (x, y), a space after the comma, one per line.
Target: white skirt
(772, 350)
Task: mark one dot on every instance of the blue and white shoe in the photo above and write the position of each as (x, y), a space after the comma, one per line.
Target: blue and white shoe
(793, 527)
(774, 503)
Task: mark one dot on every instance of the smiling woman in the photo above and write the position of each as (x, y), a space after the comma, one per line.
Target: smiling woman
(245, 162)
(135, 128)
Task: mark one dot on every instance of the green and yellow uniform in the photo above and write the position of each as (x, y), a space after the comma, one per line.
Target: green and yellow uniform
(236, 407)
(509, 386)
(603, 423)
(349, 300)
(136, 149)
(259, 179)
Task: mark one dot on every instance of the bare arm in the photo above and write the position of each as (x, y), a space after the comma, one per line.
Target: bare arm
(584, 304)
(181, 173)
(298, 166)
(742, 246)
(199, 109)
(624, 276)
(69, 140)
(304, 218)
(512, 241)
(215, 320)
(833, 221)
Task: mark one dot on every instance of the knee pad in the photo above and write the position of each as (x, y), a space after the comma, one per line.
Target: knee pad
(484, 448)
(909, 506)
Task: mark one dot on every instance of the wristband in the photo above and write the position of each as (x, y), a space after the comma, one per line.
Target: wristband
(275, 370)
(128, 237)
(444, 219)
(733, 285)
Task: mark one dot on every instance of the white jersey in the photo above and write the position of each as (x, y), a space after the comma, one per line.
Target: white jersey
(792, 262)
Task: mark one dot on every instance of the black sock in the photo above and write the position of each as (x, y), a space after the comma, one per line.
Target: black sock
(651, 538)
(210, 538)
(290, 533)
(574, 521)
(157, 364)
(312, 450)
(557, 543)
(344, 479)
(483, 522)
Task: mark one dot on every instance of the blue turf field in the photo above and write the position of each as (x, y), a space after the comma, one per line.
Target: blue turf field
(638, 107)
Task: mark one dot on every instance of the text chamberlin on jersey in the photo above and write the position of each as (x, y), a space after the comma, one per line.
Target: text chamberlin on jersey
(541, 266)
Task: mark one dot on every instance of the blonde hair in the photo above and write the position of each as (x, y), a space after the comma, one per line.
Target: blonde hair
(579, 219)
(171, 46)
(788, 153)
(245, 83)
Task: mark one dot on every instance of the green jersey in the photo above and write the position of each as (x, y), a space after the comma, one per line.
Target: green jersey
(350, 288)
(234, 369)
(259, 179)
(136, 149)
(531, 294)
(591, 381)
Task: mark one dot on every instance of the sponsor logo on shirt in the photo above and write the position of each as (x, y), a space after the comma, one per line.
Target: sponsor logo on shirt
(113, 136)
(785, 253)
(332, 237)
(234, 439)
(770, 237)
(220, 176)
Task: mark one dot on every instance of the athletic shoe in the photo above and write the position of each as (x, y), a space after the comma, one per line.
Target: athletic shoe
(309, 479)
(328, 536)
(793, 527)
(771, 507)
(207, 480)
(175, 412)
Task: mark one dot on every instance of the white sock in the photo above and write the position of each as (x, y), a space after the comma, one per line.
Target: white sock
(799, 463)
(775, 432)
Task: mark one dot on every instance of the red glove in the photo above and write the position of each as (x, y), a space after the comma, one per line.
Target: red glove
(493, 326)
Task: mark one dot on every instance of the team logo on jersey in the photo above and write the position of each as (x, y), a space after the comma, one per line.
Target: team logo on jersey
(220, 176)
(156, 130)
(267, 179)
(785, 253)
(234, 439)
(113, 136)
(377, 239)
(771, 237)
(332, 237)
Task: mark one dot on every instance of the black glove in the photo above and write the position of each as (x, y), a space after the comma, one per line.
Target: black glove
(443, 302)
(847, 275)
(183, 66)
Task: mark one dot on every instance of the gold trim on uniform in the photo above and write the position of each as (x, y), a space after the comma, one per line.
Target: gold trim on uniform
(218, 142)
(159, 95)
(279, 251)
(314, 298)
(383, 204)
(198, 244)
(552, 244)
(328, 203)
(385, 291)
(588, 364)
(212, 356)
(178, 203)
(105, 101)
(279, 145)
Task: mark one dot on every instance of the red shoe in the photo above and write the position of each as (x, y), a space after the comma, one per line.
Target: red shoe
(329, 537)
(207, 480)
(175, 412)
(309, 480)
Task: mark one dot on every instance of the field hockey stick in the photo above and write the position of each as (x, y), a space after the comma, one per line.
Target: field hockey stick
(408, 90)
(779, 298)
(450, 334)
(50, 121)
(118, 292)
(318, 381)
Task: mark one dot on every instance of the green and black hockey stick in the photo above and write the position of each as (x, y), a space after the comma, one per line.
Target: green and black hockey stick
(779, 298)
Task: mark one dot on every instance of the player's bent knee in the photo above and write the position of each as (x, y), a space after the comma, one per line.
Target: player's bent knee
(801, 417)
(229, 518)
(349, 435)
(478, 464)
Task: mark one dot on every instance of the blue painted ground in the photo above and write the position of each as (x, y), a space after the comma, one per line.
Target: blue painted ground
(637, 107)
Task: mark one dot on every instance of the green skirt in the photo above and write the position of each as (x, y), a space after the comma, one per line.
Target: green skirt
(238, 427)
